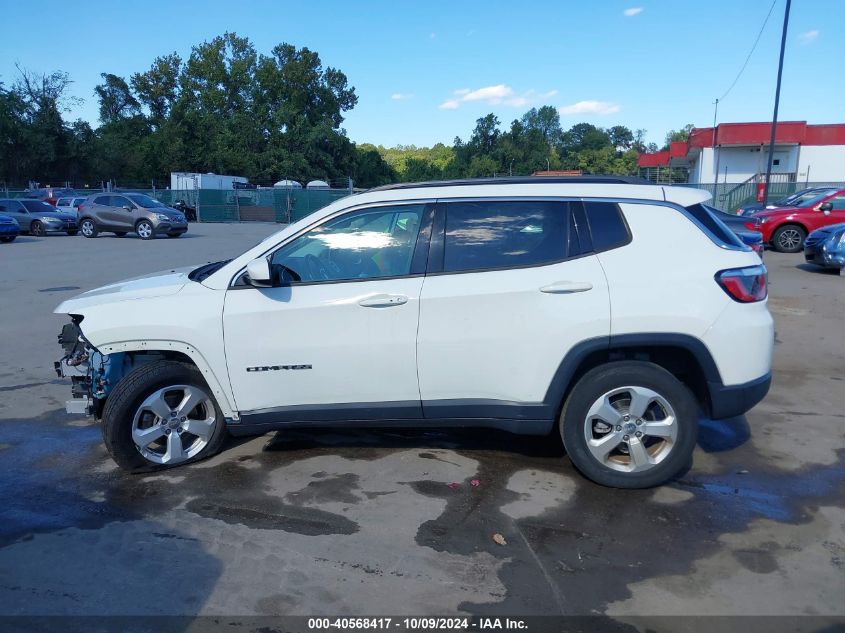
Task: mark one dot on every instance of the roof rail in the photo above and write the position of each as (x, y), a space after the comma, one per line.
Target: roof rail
(519, 180)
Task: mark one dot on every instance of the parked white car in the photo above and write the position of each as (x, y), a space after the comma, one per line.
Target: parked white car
(70, 204)
(610, 311)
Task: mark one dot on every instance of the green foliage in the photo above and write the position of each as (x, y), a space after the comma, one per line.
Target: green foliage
(229, 109)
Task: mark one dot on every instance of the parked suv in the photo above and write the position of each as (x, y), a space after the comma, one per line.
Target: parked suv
(127, 213)
(38, 218)
(786, 228)
(468, 303)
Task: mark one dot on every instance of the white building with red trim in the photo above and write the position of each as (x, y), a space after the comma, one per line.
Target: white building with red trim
(738, 152)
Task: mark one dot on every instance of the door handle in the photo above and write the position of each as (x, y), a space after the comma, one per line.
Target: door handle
(383, 301)
(566, 287)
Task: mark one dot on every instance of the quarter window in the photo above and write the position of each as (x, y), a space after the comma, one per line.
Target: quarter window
(366, 244)
(607, 226)
(487, 235)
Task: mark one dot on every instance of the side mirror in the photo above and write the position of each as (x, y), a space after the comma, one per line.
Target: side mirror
(827, 207)
(127, 207)
(258, 271)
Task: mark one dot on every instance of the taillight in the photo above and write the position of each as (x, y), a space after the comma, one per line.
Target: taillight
(745, 285)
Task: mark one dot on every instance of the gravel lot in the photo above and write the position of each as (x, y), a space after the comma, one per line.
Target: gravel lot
(363, 522)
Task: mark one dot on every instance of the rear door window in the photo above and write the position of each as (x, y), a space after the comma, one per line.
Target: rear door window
(103, 200)
(491, 234)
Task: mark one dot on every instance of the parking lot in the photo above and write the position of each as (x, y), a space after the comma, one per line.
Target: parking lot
(402, 522)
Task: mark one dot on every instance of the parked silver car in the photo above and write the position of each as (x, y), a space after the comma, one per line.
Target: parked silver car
(38, 218)
(129, 213)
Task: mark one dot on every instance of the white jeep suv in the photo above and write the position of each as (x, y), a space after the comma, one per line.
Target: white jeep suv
(607, 310)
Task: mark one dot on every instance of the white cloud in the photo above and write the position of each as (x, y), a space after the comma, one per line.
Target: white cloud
(590, 107)
(402, 96)
(809, 37)
(632, 11)
(495, 95)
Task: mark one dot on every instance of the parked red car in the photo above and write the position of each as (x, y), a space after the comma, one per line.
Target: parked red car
(786, 228)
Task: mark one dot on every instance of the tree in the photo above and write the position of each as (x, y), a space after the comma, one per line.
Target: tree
(116, 99)
(678, 135)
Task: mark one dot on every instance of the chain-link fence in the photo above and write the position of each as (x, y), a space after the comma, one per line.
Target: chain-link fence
(237, 205)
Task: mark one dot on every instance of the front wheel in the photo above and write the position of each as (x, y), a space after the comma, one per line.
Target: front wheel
(630, 424)
(88, 228)
(789, 239)
(145, 230)
(36, 229)
(162, 414)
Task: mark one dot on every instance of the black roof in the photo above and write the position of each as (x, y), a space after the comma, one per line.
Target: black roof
(520, 180)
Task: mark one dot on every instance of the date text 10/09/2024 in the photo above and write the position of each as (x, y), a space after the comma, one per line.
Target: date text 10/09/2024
(421, 623)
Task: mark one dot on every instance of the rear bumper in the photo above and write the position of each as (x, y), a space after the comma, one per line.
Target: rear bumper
(733, 400)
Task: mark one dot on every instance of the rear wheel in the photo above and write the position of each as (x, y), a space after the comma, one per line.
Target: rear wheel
(630, 424)
(88, 228)
(145, 230)
(789, 239)
(36, 228)
(162, 414)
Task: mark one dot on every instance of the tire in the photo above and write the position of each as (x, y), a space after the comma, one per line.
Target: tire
(120, 233)
(73, 233)
(145, 230)
(89, 228)
(37, 229)
(789, 238)
(8, 239)
(128, 414)
(622, 463)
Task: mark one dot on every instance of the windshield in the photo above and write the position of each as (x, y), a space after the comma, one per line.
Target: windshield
(800, 196)
(144, 201)
(36, 206)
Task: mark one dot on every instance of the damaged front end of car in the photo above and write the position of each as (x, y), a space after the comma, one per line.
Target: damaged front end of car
(93, 374)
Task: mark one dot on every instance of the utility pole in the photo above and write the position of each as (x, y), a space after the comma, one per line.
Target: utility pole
(777, 102)
(716, 156)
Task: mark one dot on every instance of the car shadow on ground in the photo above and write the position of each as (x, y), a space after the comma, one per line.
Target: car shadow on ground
(812, 268)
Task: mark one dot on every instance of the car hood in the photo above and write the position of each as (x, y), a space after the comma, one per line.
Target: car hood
(777, 213)
(154, 285)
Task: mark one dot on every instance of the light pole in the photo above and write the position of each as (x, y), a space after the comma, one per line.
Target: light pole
(777, 102)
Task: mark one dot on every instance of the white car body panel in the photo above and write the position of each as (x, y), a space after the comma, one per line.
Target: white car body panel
(355, 354)
(479, 335)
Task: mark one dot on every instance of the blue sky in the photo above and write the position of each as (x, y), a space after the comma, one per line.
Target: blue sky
(425, 71)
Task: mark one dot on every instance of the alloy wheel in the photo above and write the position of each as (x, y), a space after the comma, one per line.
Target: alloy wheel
(630, 429)
(789, 239)
(145, 230)
(173, 424)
